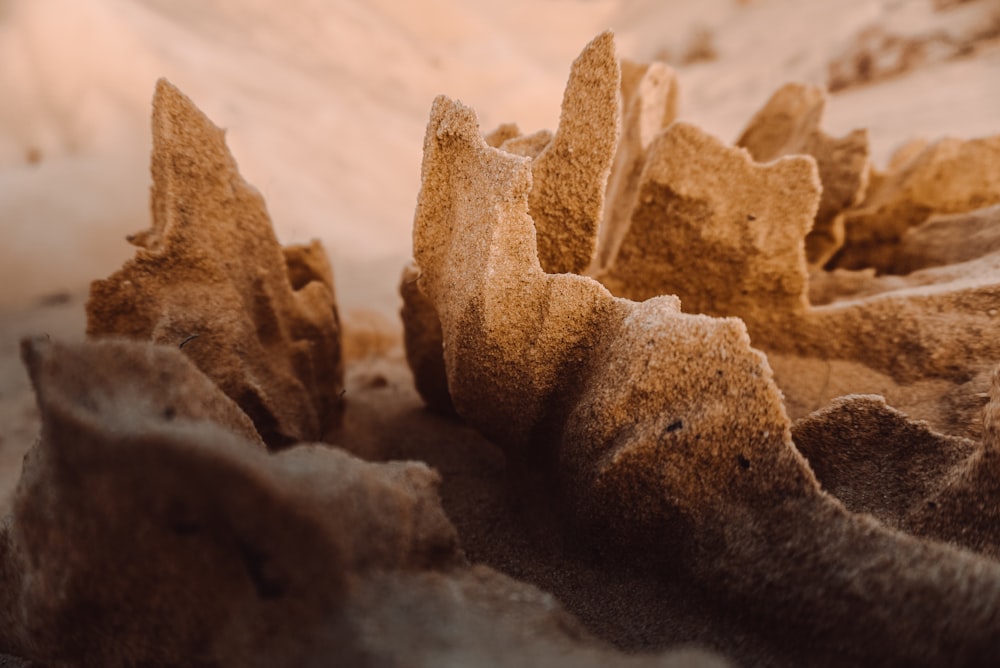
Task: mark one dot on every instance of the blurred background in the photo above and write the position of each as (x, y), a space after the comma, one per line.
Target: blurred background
(325, 102)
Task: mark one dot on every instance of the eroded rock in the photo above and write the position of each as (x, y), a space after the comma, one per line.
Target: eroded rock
(660, 436)
(703, 203)
(649, 104)
(210, 276)
(945, 177)
(789, 124)
(150, 529)
(568, 209)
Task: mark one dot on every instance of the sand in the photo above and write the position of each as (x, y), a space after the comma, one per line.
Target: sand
(579, 508)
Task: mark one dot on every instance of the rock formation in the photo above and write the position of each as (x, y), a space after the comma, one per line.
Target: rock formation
(568, 211)
(210, 277)
(150, 527)
(946, 176)
(789, 124)
(649, 104)
(659, 436)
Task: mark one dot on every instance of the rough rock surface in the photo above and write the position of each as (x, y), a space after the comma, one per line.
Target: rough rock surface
(789, 124)
(728, 236)
(949, 239)
(701, 202)
(423, 343)
(660, 437)
(568, 211)
(149, 529)
(649, 104)
(946, 176)
(210, 276)
(877, 461)
(225, 555)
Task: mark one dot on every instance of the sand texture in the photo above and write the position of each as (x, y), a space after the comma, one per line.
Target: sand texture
(707, 374)
(947, 176)
(659, 437)
(569, 212)
(789, 125)
(242, 558)
(210, 277)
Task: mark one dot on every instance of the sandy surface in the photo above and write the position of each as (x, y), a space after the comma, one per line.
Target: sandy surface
(325, 106)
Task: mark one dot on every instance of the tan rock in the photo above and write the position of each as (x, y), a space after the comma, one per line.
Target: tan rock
(502, 133)
(789, 124)
(717, 230)
(948, 176)
(649, 104)
(568, 211)
(725, 234)
(529, 146)
(210, 276)
(660, 435)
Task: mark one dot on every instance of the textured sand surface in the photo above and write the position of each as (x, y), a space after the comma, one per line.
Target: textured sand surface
(786, 455)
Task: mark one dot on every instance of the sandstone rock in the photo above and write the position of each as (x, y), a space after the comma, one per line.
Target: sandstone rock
(949, 239)
(789, 124)
(660, 436)
(567, 210)
(877, 461)
(948, 176)
(649, 104)
(210, 276)
(716, 229)
(423, 343)
(148, 529)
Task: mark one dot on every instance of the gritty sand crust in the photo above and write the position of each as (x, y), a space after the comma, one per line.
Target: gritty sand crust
(789, 124)
(602, 481)
(227, 554)
(210, 276)
(621, 419)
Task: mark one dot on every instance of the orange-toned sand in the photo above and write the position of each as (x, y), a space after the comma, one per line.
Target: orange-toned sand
(632, 337)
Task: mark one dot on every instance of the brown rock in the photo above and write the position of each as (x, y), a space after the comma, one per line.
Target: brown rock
(949, 239)
(649, 104)
(877, 461)
(148, 536)
(789, 124)
(567, 211)
(423, 342)
(948, 176)
(209, 275)
(661, 437)
(145, 532)
(716, 229)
